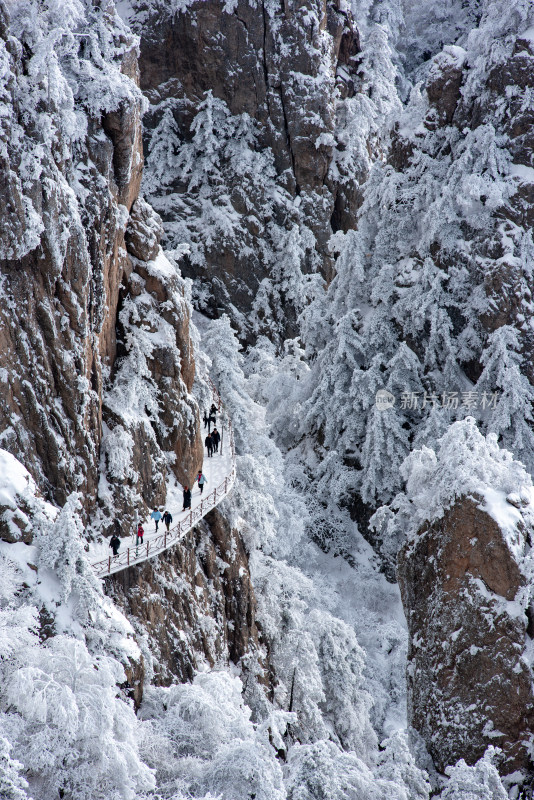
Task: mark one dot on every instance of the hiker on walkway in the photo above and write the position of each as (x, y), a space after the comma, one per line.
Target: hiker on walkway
(216, 438)
(156, 516)
(209, 420)
(213, 414)
(187, 498)
(115, 543)
(167, 519)
(201, 480)
(140, 534)
(208, 441)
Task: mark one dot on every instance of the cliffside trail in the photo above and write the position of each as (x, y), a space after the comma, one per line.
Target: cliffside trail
(221, 474)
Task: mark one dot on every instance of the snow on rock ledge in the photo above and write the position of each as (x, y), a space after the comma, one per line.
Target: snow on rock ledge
(465, 577)
(18, 493)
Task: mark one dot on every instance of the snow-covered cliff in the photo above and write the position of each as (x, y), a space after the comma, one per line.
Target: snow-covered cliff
(88, 406)
(344, 194)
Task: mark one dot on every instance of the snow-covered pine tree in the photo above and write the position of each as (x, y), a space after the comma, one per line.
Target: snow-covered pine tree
(342, 361)
(12, 784)
(61, 550)
(385, 447)
(479, 782)
(507, 395)
(199, 160)
(68, 716)
(162, 151)
(397, 764)
(287, 291)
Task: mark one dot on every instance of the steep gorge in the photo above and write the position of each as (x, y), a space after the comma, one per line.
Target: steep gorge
(262, 127)
(96, 354)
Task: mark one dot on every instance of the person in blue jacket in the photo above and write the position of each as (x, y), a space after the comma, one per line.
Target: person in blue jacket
(156, 516)
(201, 479)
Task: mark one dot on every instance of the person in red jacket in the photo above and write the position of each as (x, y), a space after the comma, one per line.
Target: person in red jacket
(140, 534)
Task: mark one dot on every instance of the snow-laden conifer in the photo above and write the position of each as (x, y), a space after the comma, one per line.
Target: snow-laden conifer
(478, 782)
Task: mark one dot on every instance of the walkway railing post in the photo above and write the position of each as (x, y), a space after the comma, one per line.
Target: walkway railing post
(191, 517)
(165, 539)
(109, 563)
(128, 556)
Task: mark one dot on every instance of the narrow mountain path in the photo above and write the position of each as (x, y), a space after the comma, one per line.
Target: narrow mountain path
(220, 471)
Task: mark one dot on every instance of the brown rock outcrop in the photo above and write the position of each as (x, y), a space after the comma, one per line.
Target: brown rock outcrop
(195, 602)
(469, 685)
(443, 84)
(151, 421)
(147, 405)
(61, 284)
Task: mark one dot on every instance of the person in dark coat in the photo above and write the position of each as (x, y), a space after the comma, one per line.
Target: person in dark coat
(115, 543)
(213, 415)
(206, 421)
(167, 519)
(187, 498)
(208, 441)
(216, 438)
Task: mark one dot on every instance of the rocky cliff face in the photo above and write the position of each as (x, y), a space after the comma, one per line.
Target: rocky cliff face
(278, 75)
(465, 594)
(150, 419)
(76, 251)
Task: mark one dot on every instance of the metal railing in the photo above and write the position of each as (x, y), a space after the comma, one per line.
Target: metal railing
(152, 547)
